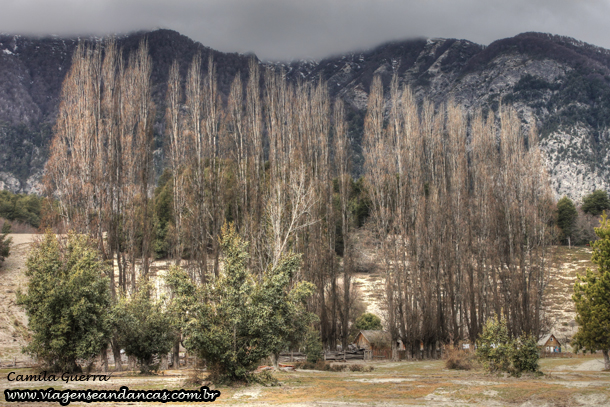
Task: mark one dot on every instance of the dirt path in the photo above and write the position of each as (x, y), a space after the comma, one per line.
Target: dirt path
(13, 320)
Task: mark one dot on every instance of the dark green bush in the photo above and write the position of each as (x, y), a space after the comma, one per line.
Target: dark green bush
(335, 367)
(525, 354)
(313, 346)
(499, 353)
(596, 202)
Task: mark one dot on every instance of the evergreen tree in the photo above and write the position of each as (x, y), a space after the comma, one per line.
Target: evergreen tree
(144, 327)
(499, 353)
(368, 321)
(239, 319)
(592, 298)
(67, 302)
(494, 345)
(596, 202)
(5, 242)
(566, 218)
(313, 346)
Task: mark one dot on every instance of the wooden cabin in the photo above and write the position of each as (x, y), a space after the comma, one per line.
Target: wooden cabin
(376, 341)
(549, 343)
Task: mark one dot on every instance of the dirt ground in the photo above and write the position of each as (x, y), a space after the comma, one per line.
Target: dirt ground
(565, 383)
(13, 321)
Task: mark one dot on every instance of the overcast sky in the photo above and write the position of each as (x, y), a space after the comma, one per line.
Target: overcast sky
(285, 29)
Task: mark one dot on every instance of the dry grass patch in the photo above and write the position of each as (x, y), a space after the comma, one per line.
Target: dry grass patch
(460, 360)
(394, 383)
(551, 364)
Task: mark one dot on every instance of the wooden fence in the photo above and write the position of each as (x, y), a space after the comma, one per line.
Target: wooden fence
(566, 354)
(18, 363)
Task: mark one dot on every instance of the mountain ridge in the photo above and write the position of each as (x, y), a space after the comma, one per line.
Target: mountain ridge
(558, 84)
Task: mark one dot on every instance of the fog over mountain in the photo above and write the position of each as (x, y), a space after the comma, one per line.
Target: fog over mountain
(281, 30)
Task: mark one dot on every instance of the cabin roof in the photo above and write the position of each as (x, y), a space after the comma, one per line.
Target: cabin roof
(377, 338)
(546, 338)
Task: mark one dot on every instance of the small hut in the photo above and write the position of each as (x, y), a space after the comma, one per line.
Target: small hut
(549, 343)
(376, 341)
(373, 340)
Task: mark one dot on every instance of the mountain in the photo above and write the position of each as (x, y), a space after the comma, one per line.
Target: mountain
(32, 71)
(558, 84)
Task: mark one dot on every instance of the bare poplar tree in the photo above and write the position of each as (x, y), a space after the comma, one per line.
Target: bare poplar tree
(211, 126)
(177, 156)
(342, 166)
(256, 170)
(198, 202)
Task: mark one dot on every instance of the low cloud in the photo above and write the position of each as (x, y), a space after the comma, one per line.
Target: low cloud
(280, 29)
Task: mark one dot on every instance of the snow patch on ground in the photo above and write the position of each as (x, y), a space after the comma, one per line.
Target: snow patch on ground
(536, 403)
(596, 365)
(390, 380)
(250, 392)
(591, 399)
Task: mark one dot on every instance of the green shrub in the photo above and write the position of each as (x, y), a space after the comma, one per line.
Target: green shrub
(335, 367)
(67, 302)
(264, 378)
(144, 328)
(313, 346)
(494, 346)
(21, 208)
(305, 365)
(241, 319)
(525, 354)
(499, 353)
(5, 242)
(368, 321)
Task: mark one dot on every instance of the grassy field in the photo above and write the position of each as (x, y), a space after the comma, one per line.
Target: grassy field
(565, 382)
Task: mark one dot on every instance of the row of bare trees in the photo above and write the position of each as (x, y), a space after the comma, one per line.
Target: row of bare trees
(264, 161)
(261, 158)
(100, 169)
(459, 204)
(461, 208)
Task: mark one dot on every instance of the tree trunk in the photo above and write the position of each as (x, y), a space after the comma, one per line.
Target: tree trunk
(176, 353)
(104, 359)
(275, 360)
(164, 363)
(131, 362)
(116, 352)
(606, 360)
